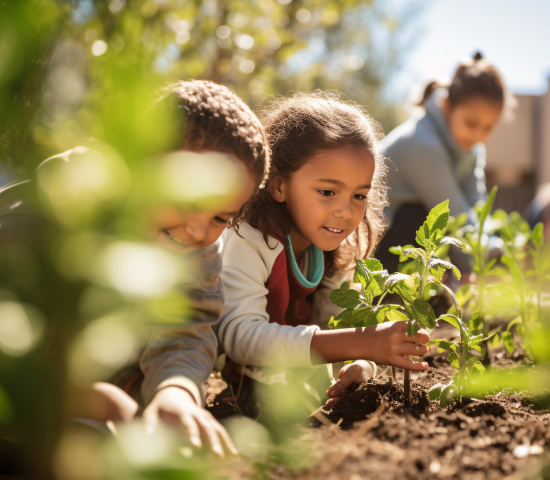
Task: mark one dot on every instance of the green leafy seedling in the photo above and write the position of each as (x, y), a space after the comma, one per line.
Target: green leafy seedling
(360, 308)
(461, 358)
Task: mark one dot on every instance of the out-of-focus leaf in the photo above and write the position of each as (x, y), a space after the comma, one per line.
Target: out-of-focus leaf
(537, 235)
(435, 392)
(487, 207)
(508, 341)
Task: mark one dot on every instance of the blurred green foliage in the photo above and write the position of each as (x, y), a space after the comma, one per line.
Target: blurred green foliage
(74, 69)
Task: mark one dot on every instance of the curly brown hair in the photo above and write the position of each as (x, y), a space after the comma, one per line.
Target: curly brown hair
(216, 119)
(299, 127)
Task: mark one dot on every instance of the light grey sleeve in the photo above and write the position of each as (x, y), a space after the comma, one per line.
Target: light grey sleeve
(183, 355)
(428, 173)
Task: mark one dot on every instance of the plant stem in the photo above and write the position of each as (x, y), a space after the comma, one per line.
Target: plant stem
(407, 387)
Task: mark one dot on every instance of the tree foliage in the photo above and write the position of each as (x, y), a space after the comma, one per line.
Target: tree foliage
(72, 69)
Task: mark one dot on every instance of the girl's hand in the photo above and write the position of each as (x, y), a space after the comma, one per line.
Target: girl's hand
(391, 345)
(357, 372)
(176, 406)
(385, 344)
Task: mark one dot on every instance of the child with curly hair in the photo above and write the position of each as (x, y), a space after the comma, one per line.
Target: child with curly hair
(179, 358)
(296, 241)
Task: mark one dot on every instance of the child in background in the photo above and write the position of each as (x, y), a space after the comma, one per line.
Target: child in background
(439, 152)
(296, 241)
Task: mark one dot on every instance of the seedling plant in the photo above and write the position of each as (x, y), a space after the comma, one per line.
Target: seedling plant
(375, 282)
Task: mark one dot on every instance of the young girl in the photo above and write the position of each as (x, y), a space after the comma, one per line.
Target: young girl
(296, 242)
(439, 152)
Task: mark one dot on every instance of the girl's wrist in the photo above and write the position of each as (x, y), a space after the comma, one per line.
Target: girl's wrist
(341, 345)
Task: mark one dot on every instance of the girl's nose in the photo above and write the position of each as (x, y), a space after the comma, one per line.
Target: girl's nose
(344, 211)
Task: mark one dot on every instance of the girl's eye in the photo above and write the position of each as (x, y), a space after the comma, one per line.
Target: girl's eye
(221, 220)
(359, 196)
(326, 193)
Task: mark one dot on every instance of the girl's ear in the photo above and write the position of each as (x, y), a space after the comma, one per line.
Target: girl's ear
(277, 188)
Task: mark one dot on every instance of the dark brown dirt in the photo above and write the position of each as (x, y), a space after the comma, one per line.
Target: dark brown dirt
(375, 436)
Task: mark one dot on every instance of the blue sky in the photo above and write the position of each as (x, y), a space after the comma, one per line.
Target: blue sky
(512, 34)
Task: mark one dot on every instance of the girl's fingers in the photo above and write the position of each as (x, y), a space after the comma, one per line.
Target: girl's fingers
(422, 336)
(338, 388)
(402, 362)
(411, 349)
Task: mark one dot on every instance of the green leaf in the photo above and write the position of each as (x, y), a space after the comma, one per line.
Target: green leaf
(370, 273)
(508, 341)
(495, 341)
(452, 241)
(517, 276)
(412, 328)
(515, 321)
(486, 209)
(447, 395)
(453, 359)
(438, 217)
(345, 297)
(416, 253)
(457, 308)
(396, 250)
(476, 339)
(424, 313)
(475, 321)
(447, 345)
(404, 285)
(537, 236)
(478, 366)
(436, 263)
(453, 320)
(435, 392)
(396, 315)
(489, 266)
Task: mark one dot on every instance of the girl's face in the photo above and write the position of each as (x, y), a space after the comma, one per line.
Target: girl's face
(327, 197)
(473, 121)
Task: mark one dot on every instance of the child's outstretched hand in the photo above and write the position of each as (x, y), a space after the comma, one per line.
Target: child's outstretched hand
(357, 372)
(392, 346)
(177, 407)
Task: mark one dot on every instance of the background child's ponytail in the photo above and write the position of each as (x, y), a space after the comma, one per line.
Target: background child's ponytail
(476, 78)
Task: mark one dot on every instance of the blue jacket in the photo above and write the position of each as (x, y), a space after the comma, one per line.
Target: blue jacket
(427, 166)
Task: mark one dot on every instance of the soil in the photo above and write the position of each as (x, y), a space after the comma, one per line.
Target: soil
(373, 435)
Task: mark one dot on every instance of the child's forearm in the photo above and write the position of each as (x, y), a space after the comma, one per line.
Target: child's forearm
(386, 344)
(340, 345)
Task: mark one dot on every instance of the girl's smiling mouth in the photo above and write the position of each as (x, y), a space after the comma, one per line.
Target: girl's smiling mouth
(334, 230)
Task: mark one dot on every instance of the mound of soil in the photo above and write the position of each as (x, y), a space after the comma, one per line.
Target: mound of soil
(375, 436)
(362, 400)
